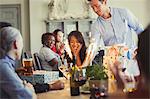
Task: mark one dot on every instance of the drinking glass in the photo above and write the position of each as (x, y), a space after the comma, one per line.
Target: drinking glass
(28, 65)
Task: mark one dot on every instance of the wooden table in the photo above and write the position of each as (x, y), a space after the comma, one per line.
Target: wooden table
(65, 94)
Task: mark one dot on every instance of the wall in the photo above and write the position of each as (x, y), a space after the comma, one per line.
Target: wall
(39, 12)
(24, 20)
(138, 7)
(148, 8)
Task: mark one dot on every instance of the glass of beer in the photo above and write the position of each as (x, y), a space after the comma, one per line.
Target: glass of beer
(28, 65)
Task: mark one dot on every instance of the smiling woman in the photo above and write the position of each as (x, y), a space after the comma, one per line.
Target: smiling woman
(77, 46)
(49, 59)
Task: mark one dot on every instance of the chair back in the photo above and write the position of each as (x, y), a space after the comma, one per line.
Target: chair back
(37, 62)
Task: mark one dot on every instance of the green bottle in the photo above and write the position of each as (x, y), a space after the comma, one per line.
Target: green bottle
(74, 87)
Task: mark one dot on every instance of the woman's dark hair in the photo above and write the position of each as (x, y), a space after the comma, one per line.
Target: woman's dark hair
(44, 38)
(55, 33)
(143, 52)
(79, 37)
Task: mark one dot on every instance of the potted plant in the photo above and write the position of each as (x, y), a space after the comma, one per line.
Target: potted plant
(96, 72)
(98, 80)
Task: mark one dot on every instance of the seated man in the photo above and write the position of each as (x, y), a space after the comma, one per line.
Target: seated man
(11, 86)
(49, 59)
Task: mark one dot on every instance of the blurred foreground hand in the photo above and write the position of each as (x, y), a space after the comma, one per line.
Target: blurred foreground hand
(57, 85)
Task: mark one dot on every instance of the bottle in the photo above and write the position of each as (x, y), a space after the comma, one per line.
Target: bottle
(74, 87)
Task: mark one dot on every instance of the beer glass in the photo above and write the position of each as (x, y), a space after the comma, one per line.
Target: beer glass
(28, 65)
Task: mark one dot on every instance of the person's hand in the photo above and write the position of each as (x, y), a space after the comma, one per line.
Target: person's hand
(57, 85)
(21, 70)
(62, 46)
(24, 71)
(121, 74)
(115, 67)
(76, 49)
(29, 86)
(134, 54)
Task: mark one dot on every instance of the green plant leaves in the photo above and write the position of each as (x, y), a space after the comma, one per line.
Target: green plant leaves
(96, 72)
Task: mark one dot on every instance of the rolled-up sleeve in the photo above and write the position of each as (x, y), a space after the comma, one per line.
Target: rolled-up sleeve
(134, 22)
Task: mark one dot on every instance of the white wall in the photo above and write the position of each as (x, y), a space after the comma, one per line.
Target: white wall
(38, 13)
